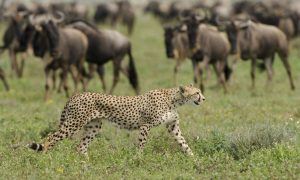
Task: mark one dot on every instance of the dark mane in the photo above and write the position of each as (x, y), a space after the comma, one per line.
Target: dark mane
(53, 35)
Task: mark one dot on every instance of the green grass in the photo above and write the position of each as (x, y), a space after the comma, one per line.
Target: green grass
(244, 134)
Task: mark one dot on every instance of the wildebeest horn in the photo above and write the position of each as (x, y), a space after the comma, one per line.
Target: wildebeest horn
(223, 22)
(244, 24)
(36, 19)
(61, 17)
(23, 13)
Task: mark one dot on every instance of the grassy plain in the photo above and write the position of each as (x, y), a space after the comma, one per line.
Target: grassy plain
(244, 134)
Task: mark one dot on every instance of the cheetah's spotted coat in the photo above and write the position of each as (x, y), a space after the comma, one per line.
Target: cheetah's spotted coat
(87, 110)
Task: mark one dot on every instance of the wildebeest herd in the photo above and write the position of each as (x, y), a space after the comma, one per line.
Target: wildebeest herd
(65, 37)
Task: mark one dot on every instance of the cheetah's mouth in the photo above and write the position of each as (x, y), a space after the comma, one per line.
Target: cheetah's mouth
(198, 101)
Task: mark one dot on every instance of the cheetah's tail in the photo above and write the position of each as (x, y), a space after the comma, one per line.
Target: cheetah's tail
(36, 146)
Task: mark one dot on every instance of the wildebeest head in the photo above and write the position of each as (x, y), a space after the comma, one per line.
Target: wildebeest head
(170, 33)
(152, 7)
(47, 33)
(192, 28)
(231, 32)
(26, 37)
(244, 35)
(232, 27)
(15, 28)
(168, 41)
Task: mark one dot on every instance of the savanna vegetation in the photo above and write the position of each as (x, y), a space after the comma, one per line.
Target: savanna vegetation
(251, 134)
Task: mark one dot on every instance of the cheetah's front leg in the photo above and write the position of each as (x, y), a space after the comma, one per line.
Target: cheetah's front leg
(174, 130)
(143, 135)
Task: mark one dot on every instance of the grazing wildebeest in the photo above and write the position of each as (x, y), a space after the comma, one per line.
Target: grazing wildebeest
(126, 15)
(177, 45)
(169, 11)
(121, 11)
(107, 45)
(286, 25)
(259, 41)
(106, 12)
(213, 45)
(271, 13)
(12, 40)
(60, 47)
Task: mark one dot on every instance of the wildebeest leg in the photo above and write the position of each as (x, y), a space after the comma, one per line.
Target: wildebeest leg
(65, 81)
(48, 81)
(176, 70)
(92, 68)
(53, 80)
(201, 79)
(221, 74)
(253, 66)
(75, 76)
(101, 73)
(20, 71)
(13, 59)
(117, 68)
(236, 58)
(287, 66)
(2, 77)
(268, 65)
(196, 72)
(208, 72)
(202, 66)
(216, 71)
(82, 75)
(60, 85)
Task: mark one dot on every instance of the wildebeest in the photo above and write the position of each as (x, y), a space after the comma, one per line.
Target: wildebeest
(107, 45)
(60, 47)
(176, 44)
(121, 11)
(126, 15)
(259, 41)
(12, 40)
(212, 45)
(271, 13)
(169, 11)
(106, 12)
(286, 25)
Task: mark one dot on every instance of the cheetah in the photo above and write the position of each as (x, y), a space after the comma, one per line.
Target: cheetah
(143, 112)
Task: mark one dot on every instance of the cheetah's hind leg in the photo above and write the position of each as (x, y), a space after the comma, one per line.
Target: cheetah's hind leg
(91, 129)
(65, 131)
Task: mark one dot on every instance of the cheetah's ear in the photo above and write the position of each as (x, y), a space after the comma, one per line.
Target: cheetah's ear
(181, 89)
(191, 85)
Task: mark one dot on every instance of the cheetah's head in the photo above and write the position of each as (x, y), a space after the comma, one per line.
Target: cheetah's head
(191, 94)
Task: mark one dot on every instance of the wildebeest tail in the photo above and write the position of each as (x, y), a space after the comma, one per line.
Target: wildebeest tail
(132, 74)
(36, 146)
(227, 71)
